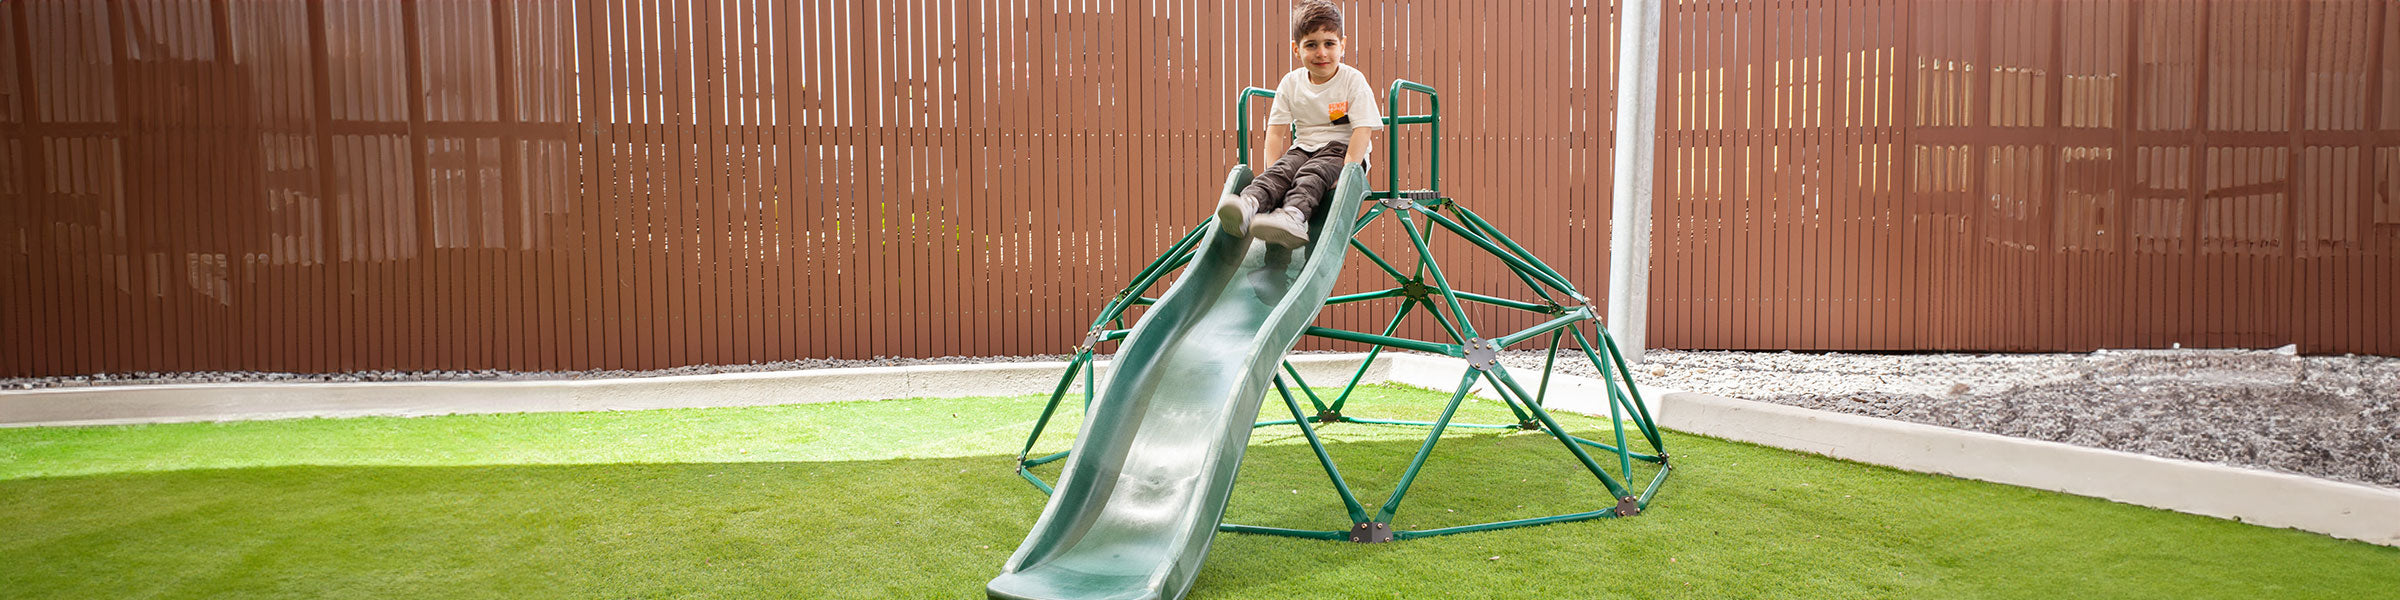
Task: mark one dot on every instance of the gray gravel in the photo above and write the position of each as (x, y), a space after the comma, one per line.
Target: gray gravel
(2334, 417)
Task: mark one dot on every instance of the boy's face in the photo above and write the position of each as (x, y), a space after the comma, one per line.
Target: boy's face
(1320, 52)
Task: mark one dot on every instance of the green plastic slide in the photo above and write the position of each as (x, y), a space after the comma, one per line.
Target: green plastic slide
(1145, 488)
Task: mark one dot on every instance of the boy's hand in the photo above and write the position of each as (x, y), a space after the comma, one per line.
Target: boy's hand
(1360, 139)
(1279, 140)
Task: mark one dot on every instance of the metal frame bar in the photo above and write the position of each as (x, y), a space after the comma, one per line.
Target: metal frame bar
(1372, 352)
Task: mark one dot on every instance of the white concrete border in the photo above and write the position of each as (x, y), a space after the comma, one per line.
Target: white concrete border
(2338, 509)
(2261, 497)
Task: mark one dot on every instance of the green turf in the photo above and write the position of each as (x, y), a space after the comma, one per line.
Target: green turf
(915, 499)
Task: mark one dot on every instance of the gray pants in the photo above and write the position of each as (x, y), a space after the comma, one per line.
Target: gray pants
(1300, 179)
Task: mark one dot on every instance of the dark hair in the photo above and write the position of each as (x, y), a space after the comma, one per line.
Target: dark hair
(1311, 16)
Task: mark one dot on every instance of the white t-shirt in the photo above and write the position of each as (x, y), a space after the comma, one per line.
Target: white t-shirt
(1325, 113)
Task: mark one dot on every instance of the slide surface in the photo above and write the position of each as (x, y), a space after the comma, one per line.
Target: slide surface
(1142, 494)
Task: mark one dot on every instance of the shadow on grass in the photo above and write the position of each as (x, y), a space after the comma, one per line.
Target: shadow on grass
(1735, 521)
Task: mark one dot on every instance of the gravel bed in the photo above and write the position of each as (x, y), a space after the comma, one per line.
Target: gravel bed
(2333, 417)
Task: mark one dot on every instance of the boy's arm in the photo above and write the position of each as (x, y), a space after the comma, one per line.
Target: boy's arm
(1279, 139)
(1360, 138)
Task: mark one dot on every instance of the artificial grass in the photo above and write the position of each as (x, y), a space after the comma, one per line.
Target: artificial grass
(916, 499)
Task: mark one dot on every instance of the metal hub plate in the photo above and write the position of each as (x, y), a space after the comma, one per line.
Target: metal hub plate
(1482, 354)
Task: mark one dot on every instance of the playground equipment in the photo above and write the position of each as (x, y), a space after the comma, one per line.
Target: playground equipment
(1144, 489)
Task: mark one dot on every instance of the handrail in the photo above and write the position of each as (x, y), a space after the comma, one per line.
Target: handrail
(1241, 122)
(1391, 131)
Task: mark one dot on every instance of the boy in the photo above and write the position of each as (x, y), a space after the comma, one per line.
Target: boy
(1333, 110)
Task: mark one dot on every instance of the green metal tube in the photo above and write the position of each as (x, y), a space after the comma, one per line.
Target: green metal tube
(1636, 455)
(1511, 403)
(1504, 302)
(1241, 122)
(1090, 387)
(1367, 217)
(1572, 317)
(1298, 533)
(1652, 492)
(1425, 253)
(1349, 501)
(1649, 428)
(1513, 262)
(1056, 395)
(1616, 422)
(1181, 246)
(1149, 276)
(1372, 352)
(1617, 490)
(1180, 261)
(1495, 234)
(1436, 313)
(1542, 395)
(1530, 283)
(1605, 513)
(1429, 424)
(1047, 459)
(1536, 286)
(1303, 383)
(1385, 340)
(1037, 482)
(1636, 394)
(1392, 134)
(1378, 258)
(1266, 424)
(1392, 505)
(1365, 296)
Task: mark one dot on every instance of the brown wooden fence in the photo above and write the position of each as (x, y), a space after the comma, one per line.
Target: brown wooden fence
(2031, 175)
(536, 184)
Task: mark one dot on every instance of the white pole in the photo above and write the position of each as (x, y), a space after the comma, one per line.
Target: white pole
(1629, 223)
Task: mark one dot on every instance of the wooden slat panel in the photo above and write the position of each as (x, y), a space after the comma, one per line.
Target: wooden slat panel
(533, 185)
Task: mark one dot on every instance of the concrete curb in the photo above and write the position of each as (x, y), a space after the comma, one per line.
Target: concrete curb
(119, 405)
(2338, 509)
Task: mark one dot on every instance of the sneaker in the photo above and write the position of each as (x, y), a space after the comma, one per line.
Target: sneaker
(1234, 212)
(1284, 227)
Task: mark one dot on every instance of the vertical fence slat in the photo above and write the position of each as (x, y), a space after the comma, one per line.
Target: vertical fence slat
(641, 234)
(2382, 116)
(680, 259)
(844, 313)
(24, 311)
(715, 313)
(590, 330)
(753, 282)
(634, 309)
(789, 264)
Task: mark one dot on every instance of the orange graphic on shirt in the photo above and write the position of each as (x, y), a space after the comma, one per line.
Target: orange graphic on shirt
(1335, 111)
